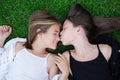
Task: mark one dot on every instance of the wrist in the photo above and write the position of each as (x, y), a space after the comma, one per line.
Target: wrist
(64, 76)
(2, 42)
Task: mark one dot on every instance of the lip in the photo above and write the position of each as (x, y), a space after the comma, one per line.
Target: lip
(60, 38)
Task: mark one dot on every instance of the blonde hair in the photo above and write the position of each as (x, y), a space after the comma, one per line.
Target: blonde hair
(39, 20)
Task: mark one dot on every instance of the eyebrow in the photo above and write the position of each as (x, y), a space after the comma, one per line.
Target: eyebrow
(64, 27)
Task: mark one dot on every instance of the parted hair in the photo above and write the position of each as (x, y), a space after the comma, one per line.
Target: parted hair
(39, 20)
(80, 16)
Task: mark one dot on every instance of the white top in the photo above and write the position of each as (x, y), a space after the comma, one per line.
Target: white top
(24, 65)
(27, 66)
(7, 55)
(3, 63)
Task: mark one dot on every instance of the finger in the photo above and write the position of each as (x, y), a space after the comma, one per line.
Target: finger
(58, 63)
(58, 60)
(10, 29)
(62, 56)
(5, 28)
(1, 27)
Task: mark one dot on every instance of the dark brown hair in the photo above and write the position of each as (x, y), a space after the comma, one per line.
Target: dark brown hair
(80, 16)
(39, 20)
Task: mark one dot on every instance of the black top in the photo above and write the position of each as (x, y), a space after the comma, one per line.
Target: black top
(96, 69)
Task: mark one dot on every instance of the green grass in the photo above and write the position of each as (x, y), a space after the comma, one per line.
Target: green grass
(16, 13)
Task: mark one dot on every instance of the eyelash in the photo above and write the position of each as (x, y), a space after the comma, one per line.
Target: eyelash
(55, 34)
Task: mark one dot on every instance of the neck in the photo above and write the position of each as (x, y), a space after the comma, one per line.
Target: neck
(38, 50)
(82, 46)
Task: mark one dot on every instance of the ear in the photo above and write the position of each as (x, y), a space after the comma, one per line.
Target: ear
(78, 29)
(38, 30)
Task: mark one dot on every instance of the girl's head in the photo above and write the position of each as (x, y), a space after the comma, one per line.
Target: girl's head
(79, 21)
(43, 29)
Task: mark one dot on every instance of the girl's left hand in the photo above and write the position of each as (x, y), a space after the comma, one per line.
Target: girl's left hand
(62, 64)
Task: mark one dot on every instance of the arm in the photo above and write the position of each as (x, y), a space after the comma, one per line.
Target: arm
(63, 65)
(7, 56)
(106, 51)
(52, 68)
(53, 65)
(4, 33)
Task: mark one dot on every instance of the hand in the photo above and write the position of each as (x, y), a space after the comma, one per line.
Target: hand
(5, 31)
(62, 64)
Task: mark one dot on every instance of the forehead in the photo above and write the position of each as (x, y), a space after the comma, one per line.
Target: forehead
(67, 23)
(54, 28)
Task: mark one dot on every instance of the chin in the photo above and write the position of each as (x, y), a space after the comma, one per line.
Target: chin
(64, 43)
(53, 47)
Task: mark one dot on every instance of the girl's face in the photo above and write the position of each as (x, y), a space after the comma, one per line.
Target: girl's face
(68, 33)
(51, 37)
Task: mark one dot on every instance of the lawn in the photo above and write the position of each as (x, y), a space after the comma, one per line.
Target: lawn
(16, 13)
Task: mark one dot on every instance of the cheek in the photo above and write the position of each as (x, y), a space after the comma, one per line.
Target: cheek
(52, 39)
(66, 35)
(53, 42)
(67, 38)
(63, 34)
(48, 40)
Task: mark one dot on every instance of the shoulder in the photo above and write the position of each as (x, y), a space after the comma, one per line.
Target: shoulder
(19, 45)
(11, 44)
(15, 44)
(51, 56)
(13, 41)
(51, 66)
(51, 59)
(106, 50)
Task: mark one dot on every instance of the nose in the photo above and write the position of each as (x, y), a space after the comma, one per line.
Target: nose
(58, 38)
(61, 33)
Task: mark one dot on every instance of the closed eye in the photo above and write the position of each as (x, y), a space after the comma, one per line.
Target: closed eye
(56, 33)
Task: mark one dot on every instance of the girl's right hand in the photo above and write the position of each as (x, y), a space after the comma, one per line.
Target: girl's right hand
(5, 31)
